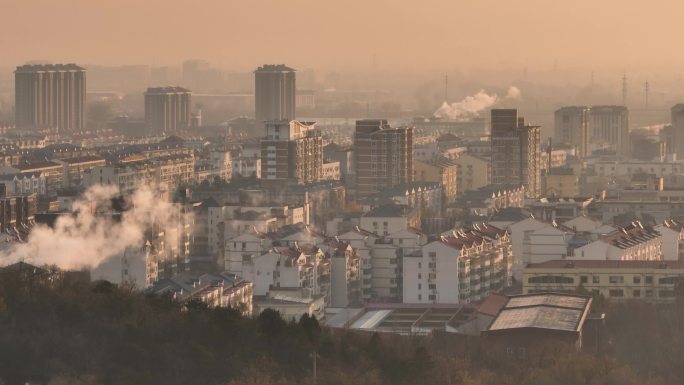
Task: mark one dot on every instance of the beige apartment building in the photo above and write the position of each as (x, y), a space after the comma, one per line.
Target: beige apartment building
(472, 173)
(291, 150)
(441, 170)
(650, 281)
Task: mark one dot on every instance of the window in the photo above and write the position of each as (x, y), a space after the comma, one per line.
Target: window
(596, 279)
(666, 293)
(432, 297)
(432, 286)
(550, 279)
(420, 265)
(636, 293)
(432, 265)
(616, 279)
(649, 293)
(637, 279)
(616, 293)
(420, 276)
(584, 279)
(420, 297)
(668, 280)
(432, 254)
(420, 287)
(648, 280)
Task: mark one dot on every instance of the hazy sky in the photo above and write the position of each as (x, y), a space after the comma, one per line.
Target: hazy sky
(405, 34)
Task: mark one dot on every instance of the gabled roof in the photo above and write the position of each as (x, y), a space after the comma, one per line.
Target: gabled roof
(559, 312)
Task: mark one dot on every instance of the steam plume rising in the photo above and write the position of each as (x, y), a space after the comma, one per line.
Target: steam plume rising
(471, 106)
(86, 239)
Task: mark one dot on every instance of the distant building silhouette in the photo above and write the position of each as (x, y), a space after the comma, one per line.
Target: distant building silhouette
(516, 152)
(572, 127)
(274, 93)
(677, 131)
(50, 96)
(610, 125)
(383, 156)
(167, 109)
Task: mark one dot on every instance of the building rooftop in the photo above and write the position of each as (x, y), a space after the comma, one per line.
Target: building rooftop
(631, 235)
(275, 68)
(28, 68)
(420, 319)
(166, 90)
(543, 311)
(511, 214)
(389, 210)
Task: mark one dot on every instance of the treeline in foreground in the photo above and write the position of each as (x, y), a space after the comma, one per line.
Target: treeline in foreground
(72, 332)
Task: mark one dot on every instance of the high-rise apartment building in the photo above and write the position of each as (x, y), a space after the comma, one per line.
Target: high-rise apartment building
(50, 96)
(274, 93)
(516, 152)
(572, 127)
(383, 156)
(610, 126)
(291, 150)
(167, 109)
(677, 131)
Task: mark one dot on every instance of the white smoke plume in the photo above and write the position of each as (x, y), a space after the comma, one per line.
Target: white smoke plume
(513, 93)
(87, 239)
(471, 106)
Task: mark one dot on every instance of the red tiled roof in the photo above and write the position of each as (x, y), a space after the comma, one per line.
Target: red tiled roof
(492, 304)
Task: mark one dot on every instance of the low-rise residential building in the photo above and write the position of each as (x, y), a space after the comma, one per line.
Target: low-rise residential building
(390, 218)
(489, 199)
(672, 232)
(331, 171)
(345, 274)
(472, 172)
(53, 173)
(465, 266)
(214, 289)
(76, 168)
(650, 281)
(247, 167)
(634, 242)
(560, 182)
(438, 170)
(291, 303)
(166, 172)
(559, 209)
(23, 184)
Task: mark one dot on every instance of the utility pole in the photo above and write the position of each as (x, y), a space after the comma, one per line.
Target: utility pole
(315, 373)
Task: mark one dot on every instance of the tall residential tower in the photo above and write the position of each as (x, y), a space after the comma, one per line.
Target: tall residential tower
(572, 127)
(383, 156)
(50, 96)
(167, 109)
(610, 126)
(274, 93)
(291, 150)
(516, 152)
